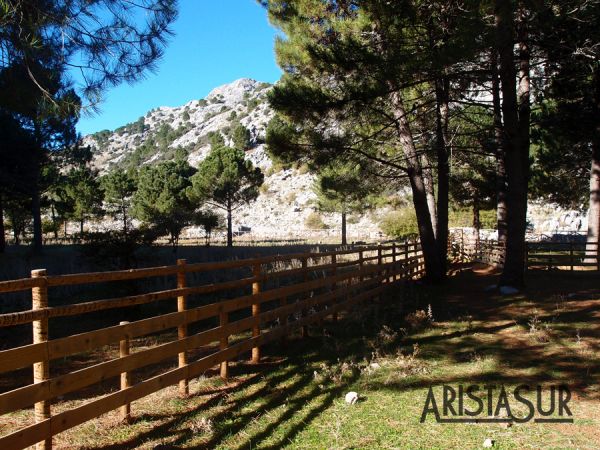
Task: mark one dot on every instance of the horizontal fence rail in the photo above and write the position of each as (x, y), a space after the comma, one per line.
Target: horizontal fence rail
(539, 255)
(279, 294)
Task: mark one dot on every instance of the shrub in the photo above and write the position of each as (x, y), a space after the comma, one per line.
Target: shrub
(116, 249)
(264, 189)
(400, 224)
(463, 217)
(303, 169)
(314, 221)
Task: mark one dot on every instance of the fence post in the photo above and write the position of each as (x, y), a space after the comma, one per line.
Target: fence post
(394, 268)
(361, 263)
(125, 413)
(41, 369)
(256, 271)
(571, 255)
(224, 342)
(182, 329)
(334, 285)
(304, 280)
(283, 321)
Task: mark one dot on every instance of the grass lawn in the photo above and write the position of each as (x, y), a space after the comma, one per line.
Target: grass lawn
(390, 355)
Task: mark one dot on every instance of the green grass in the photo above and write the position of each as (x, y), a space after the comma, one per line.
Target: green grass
(390, 356)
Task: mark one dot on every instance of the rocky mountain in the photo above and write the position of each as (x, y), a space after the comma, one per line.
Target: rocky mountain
(286, 199)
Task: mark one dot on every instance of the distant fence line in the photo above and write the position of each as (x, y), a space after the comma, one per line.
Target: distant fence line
(563, 255)
(282, 293)
(245, 237)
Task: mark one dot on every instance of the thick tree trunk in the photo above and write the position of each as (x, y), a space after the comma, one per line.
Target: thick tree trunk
(500, 157)
(443, 169)
(2, 236)
(229, 227)
(433, 267)
(344, 240)
(593, 233)
(516, 143)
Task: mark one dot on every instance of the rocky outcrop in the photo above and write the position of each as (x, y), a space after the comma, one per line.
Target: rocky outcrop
(286, 199)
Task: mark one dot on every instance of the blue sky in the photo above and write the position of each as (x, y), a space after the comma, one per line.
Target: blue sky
(215, 42)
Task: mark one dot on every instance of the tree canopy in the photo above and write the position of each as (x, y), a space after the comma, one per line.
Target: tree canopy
(227, 180)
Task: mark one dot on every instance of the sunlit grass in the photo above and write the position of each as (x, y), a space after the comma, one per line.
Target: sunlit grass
(390, 356)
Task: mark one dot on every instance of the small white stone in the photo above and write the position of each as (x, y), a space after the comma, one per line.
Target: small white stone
(351, 398)
(488, 443)
(375, 365)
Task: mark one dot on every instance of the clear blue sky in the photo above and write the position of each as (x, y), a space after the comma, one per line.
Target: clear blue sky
(215, 42)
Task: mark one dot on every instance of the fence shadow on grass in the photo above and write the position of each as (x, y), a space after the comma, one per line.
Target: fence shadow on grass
(470, 321)
(548, 334)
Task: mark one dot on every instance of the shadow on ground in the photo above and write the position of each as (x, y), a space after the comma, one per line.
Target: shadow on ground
(548, 334)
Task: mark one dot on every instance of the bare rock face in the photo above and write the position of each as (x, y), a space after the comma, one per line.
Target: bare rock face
(286, 199)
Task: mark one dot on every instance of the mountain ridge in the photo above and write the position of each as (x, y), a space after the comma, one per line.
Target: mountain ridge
(286, 199)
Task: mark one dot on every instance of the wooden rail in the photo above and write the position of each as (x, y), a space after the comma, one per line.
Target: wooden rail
(540, 255)
(283, 293)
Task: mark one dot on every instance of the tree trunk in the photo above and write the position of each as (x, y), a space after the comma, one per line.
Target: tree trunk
(37, 219)
(433, 267)
(66, 225)
(476, 222)
(229, 227)
(443, 168)
(16, 232)
(430, 192)
(35, 193)
(344, 241)
(516, 148)
(500, 158)
(124, 212)
(2, 236)
(81, 227)
(54, 221)
(593, 233)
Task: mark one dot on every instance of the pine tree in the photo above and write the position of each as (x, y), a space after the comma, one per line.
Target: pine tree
(118, 187)
(227, 180)
(341, 188)
(84, 195)
(357, 78)
(568, 134)
(161, 199)
(108, 41)
(240, 136)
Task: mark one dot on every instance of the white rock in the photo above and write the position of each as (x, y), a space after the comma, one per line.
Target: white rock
(351, 398)
(488, 443)
(375, 365)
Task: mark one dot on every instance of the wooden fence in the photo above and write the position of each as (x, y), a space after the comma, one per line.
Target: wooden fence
(540, 255)
(318, 286)
(563, 255)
